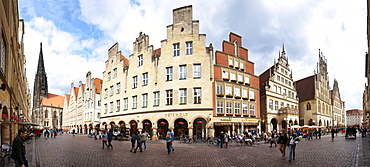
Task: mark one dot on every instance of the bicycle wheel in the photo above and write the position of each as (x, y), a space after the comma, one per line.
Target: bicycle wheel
(209, 143)
(28, 140)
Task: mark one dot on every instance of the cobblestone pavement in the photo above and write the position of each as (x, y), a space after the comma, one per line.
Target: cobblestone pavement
(80, 150)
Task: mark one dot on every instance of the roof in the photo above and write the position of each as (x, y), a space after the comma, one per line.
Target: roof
(68, 98)
(53, 100)
(306, 88)
(76, 92)
(97, 83)
(126, 60)
(354, 112)
(157, 51)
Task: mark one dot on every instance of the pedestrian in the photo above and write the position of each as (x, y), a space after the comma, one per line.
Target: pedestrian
(138, 143)
(168, 142)
(282, 142)
(133, 141)
(110, 137)
(273, 138)
(226, 140)
(73, 131)
(310, 134)
(19, 150)
(172, 139)
(104, 139)
(222, 138)
(332, 134)
(292, 144)
(144, 137)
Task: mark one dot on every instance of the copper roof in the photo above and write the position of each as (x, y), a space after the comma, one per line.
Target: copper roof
(97, 83)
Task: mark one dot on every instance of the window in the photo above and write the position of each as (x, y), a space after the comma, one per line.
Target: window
(289, 94)
(108, 76)
(240, 78)
(270, 104)
(189, 48)
(3, 55)
(183, 72)
(169, 96)
(293, 95)
(233, 76)
(219, 90)
(308, 106)
(176, 49)
(287, 105)
(225, 74)
(99, 103)
(228, 107)
(140, 60)
(118, 88)
(118, 105)
(105, 93)
(281, 104)
(278, 78)
(229, 90)
(245, 93)
(220, 107)
(241, 65)
(156, 98)
(245, 109)
(236, 48)
(230, 62)
(145, 100)
(252, 109)
(246, 80)
(46, 113)
(276, 105)
(196, 71)
(236, 64)
(237, 92)
(274, 88)
(125, 103)
(284, 91)
(111, 90)
(145, 79)
(182, 96)
(237, 108)
(134, 102)
(134, 82)
(169, 74)
(197, 96)
(251, 94)
(115, 73)
(111, 107)
(279, 90)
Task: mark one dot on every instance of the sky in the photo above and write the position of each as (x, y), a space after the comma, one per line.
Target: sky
(76, 35)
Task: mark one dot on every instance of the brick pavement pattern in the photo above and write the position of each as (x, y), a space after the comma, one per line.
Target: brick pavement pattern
(80, 150)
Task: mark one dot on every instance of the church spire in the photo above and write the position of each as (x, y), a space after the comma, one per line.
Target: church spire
(40, 66)
(40, 89)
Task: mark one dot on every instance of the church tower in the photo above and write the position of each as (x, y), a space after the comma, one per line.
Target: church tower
(40, 89)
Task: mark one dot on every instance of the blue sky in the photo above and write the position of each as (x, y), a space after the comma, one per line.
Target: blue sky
(76, 35)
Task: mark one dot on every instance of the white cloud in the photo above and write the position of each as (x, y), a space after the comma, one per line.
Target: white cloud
(338, 28)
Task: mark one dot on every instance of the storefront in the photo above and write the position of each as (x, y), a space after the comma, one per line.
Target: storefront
(235, 125)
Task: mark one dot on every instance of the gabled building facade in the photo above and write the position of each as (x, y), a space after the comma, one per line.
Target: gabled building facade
(314, 97)
(236, 89)
(279, 99)
(338, 108)
(166, 88)
(91, 100)
(354, 117)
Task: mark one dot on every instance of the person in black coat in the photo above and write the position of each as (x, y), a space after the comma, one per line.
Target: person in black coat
(282, 142)
(19, 150)
(110, 138)
(222, 139)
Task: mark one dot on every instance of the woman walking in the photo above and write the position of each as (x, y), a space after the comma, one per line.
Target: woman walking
(104, 139)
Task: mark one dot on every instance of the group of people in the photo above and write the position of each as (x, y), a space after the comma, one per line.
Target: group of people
(138, 139)
(284, 140)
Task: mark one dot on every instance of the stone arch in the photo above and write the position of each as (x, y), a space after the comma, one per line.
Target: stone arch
(181, 127)
(274, 123)
(308, 106)
(162, 127)
(199, 127)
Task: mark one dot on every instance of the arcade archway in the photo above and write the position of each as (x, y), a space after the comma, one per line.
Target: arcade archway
(274, 124)
(181, 127)
(162, 128)
(199, 128)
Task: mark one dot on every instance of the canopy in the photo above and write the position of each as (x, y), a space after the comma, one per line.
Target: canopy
(29, 123)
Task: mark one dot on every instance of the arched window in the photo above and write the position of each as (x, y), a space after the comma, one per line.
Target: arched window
(46, 113)
(308, 106)
(236, 48)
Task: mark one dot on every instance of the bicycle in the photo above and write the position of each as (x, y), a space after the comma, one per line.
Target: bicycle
(6, 151)
(214, 141)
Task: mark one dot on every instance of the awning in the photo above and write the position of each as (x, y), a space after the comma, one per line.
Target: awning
(29, 123)
(235, 123)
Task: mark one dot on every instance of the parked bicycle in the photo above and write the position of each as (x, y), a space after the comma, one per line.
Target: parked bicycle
(186, 139)
(213, 141)
(6, 151)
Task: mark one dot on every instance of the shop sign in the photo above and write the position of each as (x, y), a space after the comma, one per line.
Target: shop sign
(226, 119)
(177, 114)
(112, 119)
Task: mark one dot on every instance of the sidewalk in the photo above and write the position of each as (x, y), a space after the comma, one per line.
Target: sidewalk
(364, 151)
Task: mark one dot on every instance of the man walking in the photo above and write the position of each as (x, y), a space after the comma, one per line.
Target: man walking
(172, 139)
(222, 139)
(282, 142)
(19, 150)
(144, 137)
